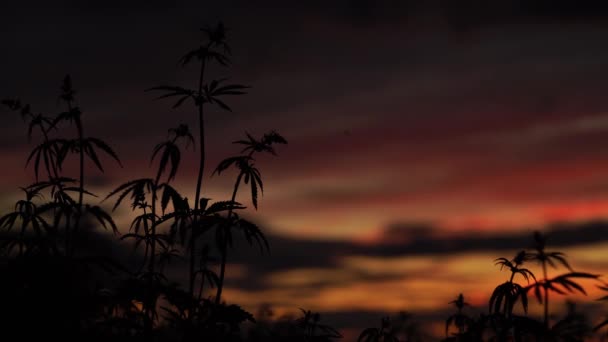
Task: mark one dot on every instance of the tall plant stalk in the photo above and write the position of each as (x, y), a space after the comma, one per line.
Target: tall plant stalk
(199, 178)
(151, 265)
(252, 176)
(73, 114)
(80, 130)
(546, 259)
(224, 246)
(204, 93)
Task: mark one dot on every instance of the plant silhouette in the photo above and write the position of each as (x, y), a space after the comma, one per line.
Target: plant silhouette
(248, 173)
(461, 320)
(313, 329)
(210, 93)
(502, 324)
(399, 329)
(81, 146)
(505, 296)
(57, 286)
(49, 285)
(565, 281)
(601, 326)
(382, 334)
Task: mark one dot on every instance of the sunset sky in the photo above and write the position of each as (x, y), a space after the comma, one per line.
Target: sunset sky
(426, 138)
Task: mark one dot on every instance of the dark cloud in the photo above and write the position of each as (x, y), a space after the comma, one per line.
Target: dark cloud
(400, 240)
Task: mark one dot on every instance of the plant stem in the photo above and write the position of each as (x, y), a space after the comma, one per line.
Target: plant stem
(54, 176)
(148, 302)
(151, 265)
(81, 176)
(199, 179)
(151, 302)
(224, 247)
(508, 310)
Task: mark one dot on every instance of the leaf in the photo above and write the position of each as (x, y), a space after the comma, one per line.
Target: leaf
(89, 151)
(181, 101)
(537, 293)
(254, 194)
(36, 121)
(170, 153)
(221, 104)
(226, 163)
(204, 53)
(169, 194)
(252, 232)
(524, 298)
(79, 189)
(565, 281)
(182, 131)
(560, 257)
(496, 297)
(172, 91)
(141, 220)
(527, 274)
(273, 138)
(63, 150)
(135, 187)
(220, 206)
(105, 148)
(49, 151)
(102, 217)
(73, 114)
(231, 89)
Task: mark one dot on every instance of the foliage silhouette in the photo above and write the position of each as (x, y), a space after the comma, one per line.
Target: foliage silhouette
(82, 146)
(314, 330)
(502, 324)
(545, 258)
(386, 333)
(51, 283)
(205, 93)
(461, 320)
(249, 174)
(144, 227)
(505, 296)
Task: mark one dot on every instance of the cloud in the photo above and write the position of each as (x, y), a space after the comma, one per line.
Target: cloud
(407, 241)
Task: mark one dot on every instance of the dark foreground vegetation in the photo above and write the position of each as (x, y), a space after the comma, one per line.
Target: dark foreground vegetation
(55, 286)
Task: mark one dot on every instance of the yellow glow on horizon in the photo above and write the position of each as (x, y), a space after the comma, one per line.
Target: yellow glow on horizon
(414, 284)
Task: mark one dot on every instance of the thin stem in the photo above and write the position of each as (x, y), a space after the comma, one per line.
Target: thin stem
(149, 302)
(507, 309)
(151, 265)
(224, 247)
(48, 159)
(54, 175)
(199, 180)
(460, 326)
(80, 130)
